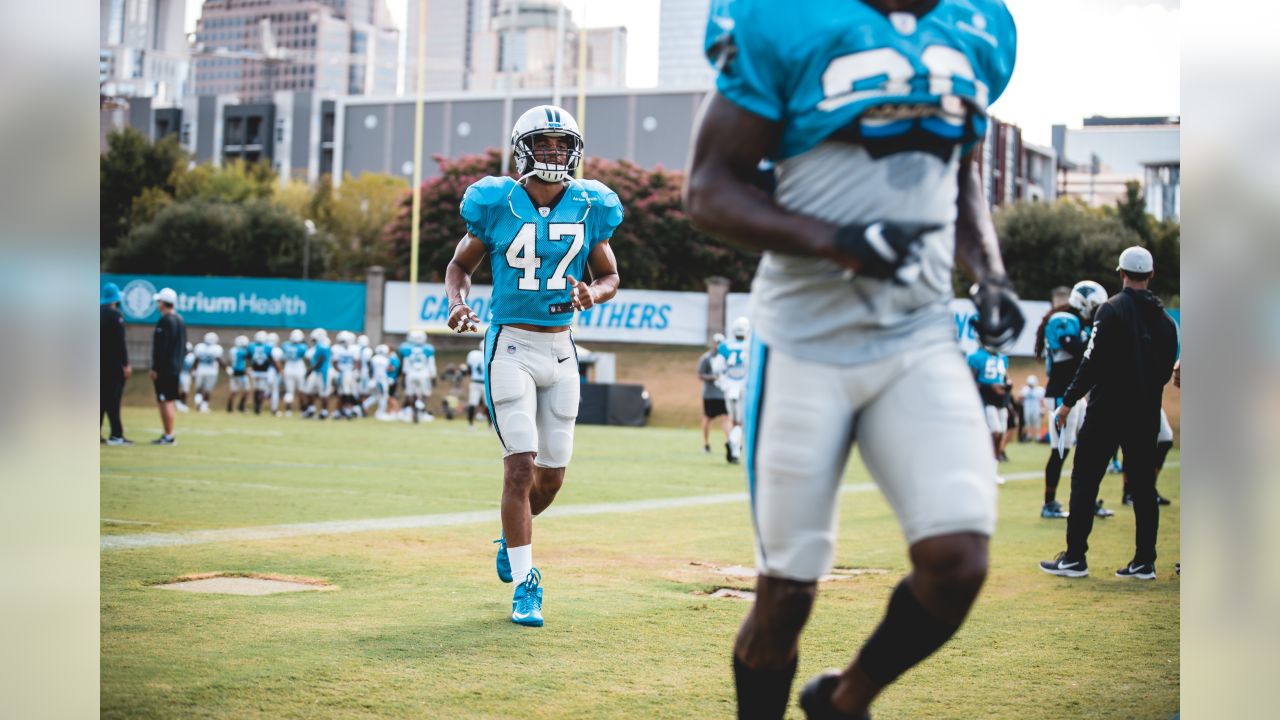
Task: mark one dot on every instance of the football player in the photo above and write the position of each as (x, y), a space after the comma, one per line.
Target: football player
(260, 364)
(1061, 339)
(364, 386)
(730, 367)
(870, 112)
(541, 233)
(418, 363)
(475, 386)
(276, 372)
(379, 380)
(1032, 409)
(295, 370)
(237, 369)
(990, 369)
(184, 378)
(319, 359)
(207, 364)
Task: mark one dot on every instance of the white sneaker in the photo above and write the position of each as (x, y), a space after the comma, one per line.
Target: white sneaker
(182, 407)
(1000, 480)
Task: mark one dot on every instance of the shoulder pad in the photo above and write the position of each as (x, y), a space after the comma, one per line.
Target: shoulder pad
(483, 194)
(607, 203)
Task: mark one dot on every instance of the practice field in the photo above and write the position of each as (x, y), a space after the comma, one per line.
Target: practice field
(417, 625)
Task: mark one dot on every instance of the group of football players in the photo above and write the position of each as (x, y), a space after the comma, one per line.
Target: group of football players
(342, 378)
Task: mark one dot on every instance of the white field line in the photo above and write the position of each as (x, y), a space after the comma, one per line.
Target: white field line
(412, 522)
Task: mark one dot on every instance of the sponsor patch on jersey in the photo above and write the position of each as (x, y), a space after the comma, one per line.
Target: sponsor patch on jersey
(560, 308)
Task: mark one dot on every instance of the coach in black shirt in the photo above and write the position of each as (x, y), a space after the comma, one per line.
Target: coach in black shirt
(167, 350)
(114, 363)
(1126, 365)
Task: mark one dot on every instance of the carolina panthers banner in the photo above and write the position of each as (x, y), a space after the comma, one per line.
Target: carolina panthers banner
(641, 316)
(245, 302)
(962, 311)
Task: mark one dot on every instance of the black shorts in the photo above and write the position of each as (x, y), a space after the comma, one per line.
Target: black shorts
(714, 408)
(166, 387)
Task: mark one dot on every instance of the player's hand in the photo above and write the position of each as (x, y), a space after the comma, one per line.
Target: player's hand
(1177, 373)
(228, 369)
(128, 371)
(884, 250)
(152, 375)
(1060, 417)
(581, 296)
(999, 321)
(463, 319)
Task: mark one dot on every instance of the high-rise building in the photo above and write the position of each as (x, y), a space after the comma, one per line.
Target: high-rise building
(450, 42)
(250, 49)
(142, 50)
(518, 50)
(682, 28)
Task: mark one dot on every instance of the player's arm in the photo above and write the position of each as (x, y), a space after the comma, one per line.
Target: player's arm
(721, 195)
(1000, 320)
(457, 282)
(604, 278)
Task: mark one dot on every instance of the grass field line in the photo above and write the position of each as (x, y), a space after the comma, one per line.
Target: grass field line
(412, 522)
(259, 486)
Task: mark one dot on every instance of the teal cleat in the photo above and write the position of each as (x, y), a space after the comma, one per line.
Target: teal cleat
(503, 562)
(526, 604)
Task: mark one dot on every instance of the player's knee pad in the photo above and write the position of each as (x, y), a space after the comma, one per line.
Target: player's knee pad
(557, 432)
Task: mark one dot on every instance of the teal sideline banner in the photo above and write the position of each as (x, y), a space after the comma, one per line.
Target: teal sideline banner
(245, 302)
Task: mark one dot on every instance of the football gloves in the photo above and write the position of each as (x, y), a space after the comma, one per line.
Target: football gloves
(999, 321)
(886, 250)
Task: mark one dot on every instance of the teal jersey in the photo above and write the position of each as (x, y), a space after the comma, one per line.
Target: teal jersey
(843, 69)
(293, 351)
(532, 255)
(239, 359)
(320, 356)
(734, 352)
(416, 357)
(393, 368)
(989, 368)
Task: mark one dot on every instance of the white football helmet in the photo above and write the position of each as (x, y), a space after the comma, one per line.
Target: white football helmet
(345, 336)
(319, 333)
(417, 337)
(1032, 381)
(242, 341)
(273, 338)
(717, 339)
(381, 350)
(1086, 297)
(296, 336)
(211, 338)
(741, 327)
(260, 336)
(363, 341)
(551, 121)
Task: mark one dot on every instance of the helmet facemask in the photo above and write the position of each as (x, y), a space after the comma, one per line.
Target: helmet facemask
(552, 172)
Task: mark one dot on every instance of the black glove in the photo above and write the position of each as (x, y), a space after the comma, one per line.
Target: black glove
(999, 321)
(886, 250)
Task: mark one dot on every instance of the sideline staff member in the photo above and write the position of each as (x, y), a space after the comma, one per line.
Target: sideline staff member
(168, 348)
(1129, 359)
(712, 396)
(114, 363)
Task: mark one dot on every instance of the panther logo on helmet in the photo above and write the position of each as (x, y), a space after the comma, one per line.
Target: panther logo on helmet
(549, 121)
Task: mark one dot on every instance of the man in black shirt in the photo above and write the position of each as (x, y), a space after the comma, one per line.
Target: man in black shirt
(114, 363)
(1129, 359)
(167, 350)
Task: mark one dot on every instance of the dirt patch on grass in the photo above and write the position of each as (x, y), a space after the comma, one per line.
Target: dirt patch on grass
(231, 583)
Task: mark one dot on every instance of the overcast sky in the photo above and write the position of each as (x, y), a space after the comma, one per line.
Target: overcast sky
(1076, 58)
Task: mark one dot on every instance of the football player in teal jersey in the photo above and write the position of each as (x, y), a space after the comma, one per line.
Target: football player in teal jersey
(541, 233)
(871, 112)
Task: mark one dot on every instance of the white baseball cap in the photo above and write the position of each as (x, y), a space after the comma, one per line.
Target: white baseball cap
(1136, 260)
(166, 296)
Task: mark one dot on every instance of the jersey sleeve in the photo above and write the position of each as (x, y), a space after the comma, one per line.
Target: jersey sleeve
(478, 203)
(996, 62)
(744, 50)
(606, 212)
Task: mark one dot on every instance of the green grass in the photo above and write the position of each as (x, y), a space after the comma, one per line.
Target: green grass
(418, 627)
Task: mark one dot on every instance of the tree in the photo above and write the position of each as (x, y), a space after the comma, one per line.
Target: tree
(233, 182)
(1162, 239)
(354, 215)
(1046, 245)
(131, 165)
(656, 245)
(196, 236)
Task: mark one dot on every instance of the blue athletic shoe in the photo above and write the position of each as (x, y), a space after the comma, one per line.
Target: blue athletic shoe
(502, 561)
(526, 604)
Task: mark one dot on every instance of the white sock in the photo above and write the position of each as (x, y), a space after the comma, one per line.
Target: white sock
(735, 440)
(521, 561)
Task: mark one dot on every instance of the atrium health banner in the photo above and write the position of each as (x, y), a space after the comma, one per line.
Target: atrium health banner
(246, 302)
(962, 311)
(640, 316)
